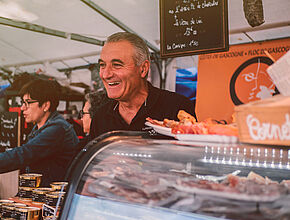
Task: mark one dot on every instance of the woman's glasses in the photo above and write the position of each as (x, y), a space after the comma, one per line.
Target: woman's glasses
(27, 102)
(82, 113)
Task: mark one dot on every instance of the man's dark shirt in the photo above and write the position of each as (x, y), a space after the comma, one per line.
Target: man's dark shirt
(160, 104)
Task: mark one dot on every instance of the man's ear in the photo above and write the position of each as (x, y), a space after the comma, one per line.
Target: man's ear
(145, 66)
(46, 106)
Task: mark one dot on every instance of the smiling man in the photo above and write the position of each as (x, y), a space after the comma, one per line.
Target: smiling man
(124, 66)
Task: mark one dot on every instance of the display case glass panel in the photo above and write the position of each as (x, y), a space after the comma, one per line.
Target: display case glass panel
(139, 178)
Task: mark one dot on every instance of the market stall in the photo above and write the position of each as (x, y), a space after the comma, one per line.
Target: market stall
(223, 166)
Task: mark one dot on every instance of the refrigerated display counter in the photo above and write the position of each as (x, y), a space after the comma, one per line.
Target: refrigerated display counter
(128, 175)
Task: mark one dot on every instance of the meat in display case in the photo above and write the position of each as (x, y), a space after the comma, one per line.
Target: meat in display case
(127, 175)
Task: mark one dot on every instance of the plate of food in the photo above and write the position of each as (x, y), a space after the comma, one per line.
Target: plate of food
(188, 129)
(160, 129)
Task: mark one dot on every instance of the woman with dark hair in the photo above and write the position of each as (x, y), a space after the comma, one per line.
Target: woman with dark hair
(52, 142)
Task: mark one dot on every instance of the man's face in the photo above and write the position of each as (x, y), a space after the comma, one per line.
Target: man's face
(31, 110)
(121, 77)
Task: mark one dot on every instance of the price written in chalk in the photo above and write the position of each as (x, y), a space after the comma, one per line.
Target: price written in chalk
(192, 43)
(8, 130)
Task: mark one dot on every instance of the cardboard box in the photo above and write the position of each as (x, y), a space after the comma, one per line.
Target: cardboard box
(265, 121)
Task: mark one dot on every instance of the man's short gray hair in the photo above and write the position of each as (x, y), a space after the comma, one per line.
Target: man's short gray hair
(142, 51)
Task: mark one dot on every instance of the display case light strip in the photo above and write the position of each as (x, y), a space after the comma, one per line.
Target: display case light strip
(236, 151)
(132, 154)
(249, 163)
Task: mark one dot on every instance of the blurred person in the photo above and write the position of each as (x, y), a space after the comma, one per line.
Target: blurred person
(94, 100)
(86, 117)
(124, 66)
(52, 142)
(71, 116)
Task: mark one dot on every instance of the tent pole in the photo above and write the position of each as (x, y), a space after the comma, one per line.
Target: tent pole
(49, 31)
(163, 62)
(115, 21)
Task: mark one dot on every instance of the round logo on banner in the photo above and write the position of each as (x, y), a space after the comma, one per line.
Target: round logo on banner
(251, 81)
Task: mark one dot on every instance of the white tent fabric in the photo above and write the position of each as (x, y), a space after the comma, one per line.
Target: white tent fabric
(25, 50)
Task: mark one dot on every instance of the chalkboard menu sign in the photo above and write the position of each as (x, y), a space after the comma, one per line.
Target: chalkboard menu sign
(189, 27)
(8, 130)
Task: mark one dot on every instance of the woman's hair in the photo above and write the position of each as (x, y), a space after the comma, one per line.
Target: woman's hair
(43, 90)
(96, 100)
(142, 51)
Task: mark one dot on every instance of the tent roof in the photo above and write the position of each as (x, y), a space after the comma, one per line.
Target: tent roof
(28, 50)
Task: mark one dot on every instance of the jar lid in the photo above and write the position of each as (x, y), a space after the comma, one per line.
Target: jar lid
(55, 194)
(26, 188)
(59, 183)
(6, 201)
(30, 176)
(41, 190)
(19, 205)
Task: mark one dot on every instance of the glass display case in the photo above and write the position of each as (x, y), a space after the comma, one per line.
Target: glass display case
(128, 175)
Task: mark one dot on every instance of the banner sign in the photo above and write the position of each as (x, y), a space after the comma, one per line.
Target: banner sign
(236, 77)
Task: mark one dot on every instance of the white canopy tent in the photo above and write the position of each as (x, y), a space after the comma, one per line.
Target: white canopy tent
(53, 35)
